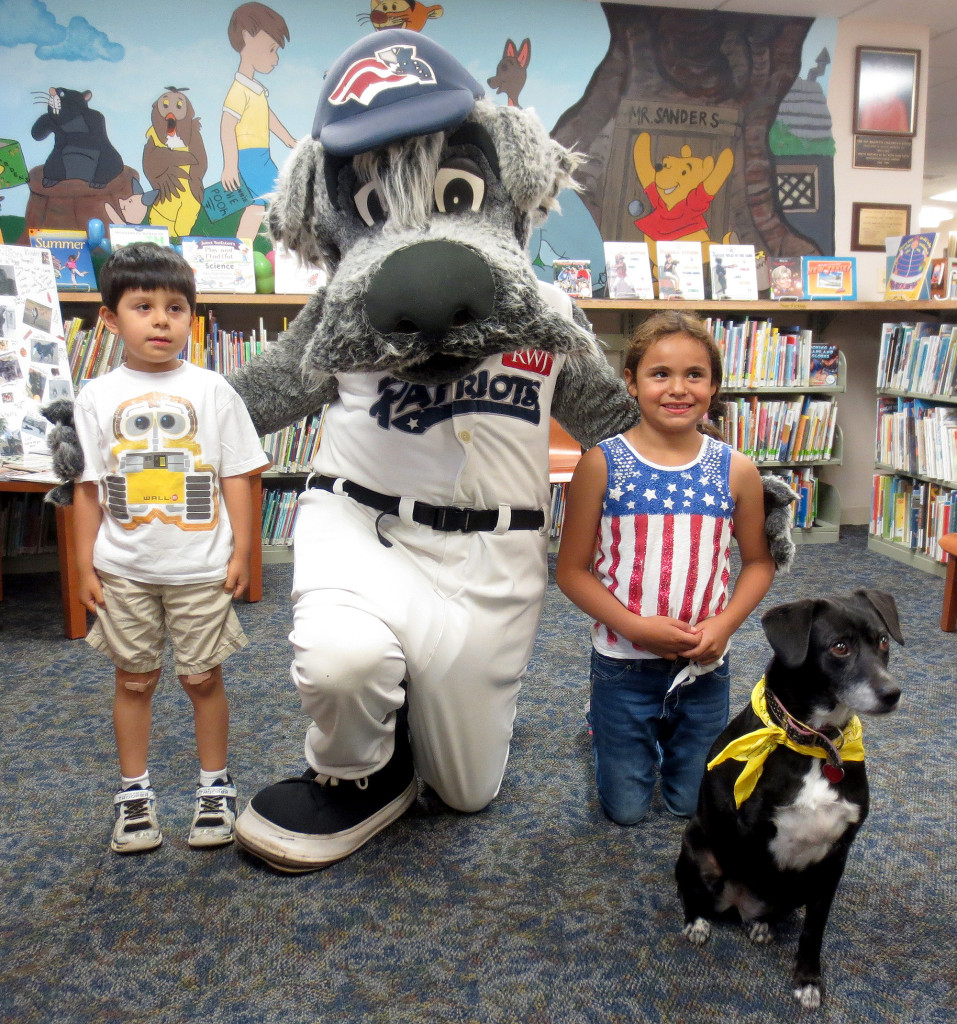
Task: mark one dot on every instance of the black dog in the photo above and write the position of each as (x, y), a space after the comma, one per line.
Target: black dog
(772, 833)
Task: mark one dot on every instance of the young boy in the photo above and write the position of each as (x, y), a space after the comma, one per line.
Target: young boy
(163, 527)
(257, 33)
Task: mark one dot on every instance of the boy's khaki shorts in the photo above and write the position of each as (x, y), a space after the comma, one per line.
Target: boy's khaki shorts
(198, 618)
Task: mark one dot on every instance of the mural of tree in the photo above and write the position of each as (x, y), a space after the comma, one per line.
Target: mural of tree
(708, 80)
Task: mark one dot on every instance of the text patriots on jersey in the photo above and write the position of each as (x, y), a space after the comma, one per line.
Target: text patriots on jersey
(414, 408)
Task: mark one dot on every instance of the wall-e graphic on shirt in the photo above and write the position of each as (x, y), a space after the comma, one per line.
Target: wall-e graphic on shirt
(160, 474)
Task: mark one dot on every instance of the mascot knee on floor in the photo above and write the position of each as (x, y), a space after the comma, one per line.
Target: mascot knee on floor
(421, 539)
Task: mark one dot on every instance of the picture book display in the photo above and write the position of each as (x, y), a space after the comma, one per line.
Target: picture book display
(734, 272)
(124, 234)
(908, 274)
(221, 264)
(829, 277)
(292, 277)
(680, 273)
(72, 260)
(34, 369)
(573, 277)
(628, 271)
(786, 277)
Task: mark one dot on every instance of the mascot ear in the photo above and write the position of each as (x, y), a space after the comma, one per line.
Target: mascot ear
(295, 211)
(534, 168)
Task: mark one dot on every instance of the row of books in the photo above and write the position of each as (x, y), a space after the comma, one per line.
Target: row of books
(27, 525)
(916, 436)
(293, 448)
(918, 357)
(766, 430)
(279, 509)
(227, 265)
(559, 492)
(913, 513)
(802, 513)
(757, 354)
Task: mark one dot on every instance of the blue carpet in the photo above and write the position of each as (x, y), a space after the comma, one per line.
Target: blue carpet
(536, 911)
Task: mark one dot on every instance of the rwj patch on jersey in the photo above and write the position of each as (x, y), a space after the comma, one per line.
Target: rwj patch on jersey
(533, 359)
(394, 68)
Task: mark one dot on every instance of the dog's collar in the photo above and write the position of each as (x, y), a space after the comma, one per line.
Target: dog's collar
(754, 747)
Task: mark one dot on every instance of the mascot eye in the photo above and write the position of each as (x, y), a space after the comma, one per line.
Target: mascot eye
(459, 187)
(883, 642)
(840, 649)
(370, 205)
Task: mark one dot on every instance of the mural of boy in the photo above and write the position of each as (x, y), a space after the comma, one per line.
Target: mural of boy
(256, 33)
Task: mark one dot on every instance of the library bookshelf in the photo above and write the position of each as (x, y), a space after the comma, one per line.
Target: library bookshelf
(613, 320)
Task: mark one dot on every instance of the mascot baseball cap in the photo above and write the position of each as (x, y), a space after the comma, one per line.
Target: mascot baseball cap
(388, 86)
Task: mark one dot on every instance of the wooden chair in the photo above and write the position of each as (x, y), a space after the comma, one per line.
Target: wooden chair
(948, 617)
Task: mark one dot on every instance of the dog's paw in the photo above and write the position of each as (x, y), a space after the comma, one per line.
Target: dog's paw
(809, 995)
(697, 931)
(760, 933)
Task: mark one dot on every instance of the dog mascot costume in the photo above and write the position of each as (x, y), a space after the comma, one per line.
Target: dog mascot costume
(420, 545)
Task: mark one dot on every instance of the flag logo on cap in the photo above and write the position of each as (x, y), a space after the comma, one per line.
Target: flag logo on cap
(392, 68)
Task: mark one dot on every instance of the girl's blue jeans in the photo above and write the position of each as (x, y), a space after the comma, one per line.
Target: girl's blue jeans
(637, 729)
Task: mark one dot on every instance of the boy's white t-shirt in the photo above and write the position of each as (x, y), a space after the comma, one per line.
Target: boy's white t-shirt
(158, 444)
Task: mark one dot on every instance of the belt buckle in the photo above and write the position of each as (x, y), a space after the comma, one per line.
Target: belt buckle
(450, 518)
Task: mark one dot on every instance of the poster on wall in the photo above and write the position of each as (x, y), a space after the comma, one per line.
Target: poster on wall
(34, 369)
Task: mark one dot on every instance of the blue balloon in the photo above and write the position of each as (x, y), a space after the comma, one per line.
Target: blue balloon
(96, 232)
(178, 248)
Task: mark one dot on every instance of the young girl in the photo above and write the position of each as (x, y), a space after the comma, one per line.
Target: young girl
(645, 552)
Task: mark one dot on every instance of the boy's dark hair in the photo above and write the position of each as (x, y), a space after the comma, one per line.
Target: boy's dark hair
(148, 266)
(253, 18)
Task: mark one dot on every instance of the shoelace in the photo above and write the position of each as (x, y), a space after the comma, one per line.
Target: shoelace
(212, 807)
(133, 811)
(329, 780)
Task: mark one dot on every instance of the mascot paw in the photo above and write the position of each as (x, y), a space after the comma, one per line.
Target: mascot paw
(777, 500)
(65, 448)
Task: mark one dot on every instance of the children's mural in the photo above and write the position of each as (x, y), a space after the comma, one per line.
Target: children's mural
(698, 125)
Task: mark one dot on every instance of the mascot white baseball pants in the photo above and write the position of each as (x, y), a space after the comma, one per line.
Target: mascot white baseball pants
(452, 615)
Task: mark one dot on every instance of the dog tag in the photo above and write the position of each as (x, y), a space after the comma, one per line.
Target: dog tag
(833, 773)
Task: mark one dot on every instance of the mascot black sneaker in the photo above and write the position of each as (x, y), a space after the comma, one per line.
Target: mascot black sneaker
(308, 823)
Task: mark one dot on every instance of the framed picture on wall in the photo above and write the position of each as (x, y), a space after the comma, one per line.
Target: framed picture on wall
(885, 91)
(873, 223)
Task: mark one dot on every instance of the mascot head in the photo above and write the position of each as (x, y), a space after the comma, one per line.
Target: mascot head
(419, 197)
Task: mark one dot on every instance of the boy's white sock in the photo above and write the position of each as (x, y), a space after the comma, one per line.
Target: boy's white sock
(210, 778)
(140, 782)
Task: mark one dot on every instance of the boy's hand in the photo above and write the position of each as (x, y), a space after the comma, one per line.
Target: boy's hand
(663, 636)
(91, 590)
(237, 576)
(713, 637)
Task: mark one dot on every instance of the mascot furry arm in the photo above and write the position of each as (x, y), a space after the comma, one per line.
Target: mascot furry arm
(420, 560)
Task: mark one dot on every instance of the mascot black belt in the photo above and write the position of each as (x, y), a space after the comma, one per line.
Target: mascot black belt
(447, 518)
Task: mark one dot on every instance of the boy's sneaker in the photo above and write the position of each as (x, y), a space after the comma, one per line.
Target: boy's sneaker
(136, 828)
(214, 814)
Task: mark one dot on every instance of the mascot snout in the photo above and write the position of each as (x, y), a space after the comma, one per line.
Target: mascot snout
(429, 288)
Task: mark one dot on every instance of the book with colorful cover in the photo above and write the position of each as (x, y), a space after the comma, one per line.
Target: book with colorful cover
(825, 361)
(733, 272)
(221, 264)
(680, 273)
(908, 275)
(573, 277)
(125, 234)
(72, 261)
(786, 277)
(628, 271)
(292, 277)
(220, 202)
(829, 277)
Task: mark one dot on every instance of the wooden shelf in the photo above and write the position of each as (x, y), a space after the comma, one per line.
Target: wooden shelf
(897, 551)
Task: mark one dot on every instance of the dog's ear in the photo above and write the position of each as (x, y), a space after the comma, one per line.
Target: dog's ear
(788, 629)
(886, 608)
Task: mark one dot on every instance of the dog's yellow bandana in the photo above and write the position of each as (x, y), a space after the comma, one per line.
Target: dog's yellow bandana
(754, 747)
